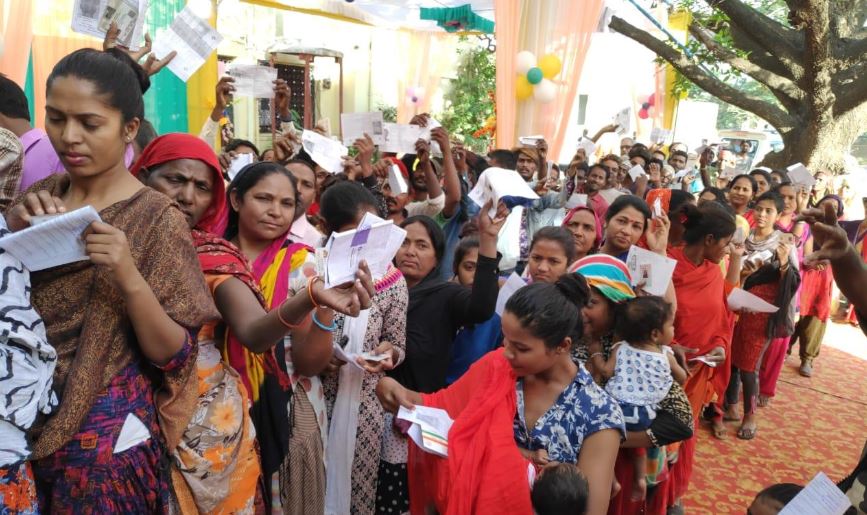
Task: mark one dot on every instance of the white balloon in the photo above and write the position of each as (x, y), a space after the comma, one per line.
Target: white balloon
(524, 62)
(545, 91)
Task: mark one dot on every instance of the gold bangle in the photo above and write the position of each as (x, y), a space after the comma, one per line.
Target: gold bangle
(310, 291)
(283, 321)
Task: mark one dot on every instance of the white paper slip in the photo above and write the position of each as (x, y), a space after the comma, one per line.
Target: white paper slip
(657, 207)
(635, 172)
(347, 357)
(681, 174)
(132, 433)
(193, 40)
(430, 428)
(703, 359)
(623, 121)
(729, 172)
(739, 236)
(799, 175)
(53, 242)
(530, 141)
(94, 17)
(252, 80)
(426, 135)
(400, 138)
(238, 163)
(740, 299)
(375, 241)
(820, 497)
(653, 271)
(325, 152)
(512, 284)
(576, 200)
(355, 125)
(396, 181)
(658, 135)
(588, 146)
(501, 184)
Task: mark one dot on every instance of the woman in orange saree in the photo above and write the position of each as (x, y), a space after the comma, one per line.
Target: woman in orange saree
(703, 323)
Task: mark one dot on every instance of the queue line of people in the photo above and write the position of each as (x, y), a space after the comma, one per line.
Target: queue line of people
(188, 366)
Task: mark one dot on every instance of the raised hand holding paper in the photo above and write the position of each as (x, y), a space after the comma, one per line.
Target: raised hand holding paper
(94, 17)
(375, 241)
(498, 184)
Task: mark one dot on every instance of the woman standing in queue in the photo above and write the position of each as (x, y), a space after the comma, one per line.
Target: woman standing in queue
(217, 457)
(124, 321)
(437, 310)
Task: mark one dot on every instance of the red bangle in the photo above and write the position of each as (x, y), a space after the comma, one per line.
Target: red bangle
(310, 291)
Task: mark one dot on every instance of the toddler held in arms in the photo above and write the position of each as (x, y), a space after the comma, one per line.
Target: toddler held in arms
(641, 369)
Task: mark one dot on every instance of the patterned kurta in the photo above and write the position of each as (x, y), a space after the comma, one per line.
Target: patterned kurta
(386, 322)
(582, 409)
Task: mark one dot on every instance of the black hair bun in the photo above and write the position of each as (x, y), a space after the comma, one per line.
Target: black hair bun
(574, 287)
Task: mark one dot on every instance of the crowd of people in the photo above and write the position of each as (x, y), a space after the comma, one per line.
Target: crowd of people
(189, 365)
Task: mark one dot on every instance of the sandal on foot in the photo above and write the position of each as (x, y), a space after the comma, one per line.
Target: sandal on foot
(747, 434)
(720, 433)
(727, 418)
(764, 401)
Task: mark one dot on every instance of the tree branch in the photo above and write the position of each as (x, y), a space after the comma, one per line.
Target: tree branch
(786, 91)
(852, 94)
(771, 35)
(757, 55)
(773, 114)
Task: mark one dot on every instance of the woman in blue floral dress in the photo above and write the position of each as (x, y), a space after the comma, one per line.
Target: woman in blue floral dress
(558, 413)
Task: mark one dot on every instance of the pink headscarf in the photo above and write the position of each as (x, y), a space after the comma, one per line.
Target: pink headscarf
(598, 241)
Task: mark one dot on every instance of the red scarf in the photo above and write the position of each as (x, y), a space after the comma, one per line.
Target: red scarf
(174, 146)
(485, 472)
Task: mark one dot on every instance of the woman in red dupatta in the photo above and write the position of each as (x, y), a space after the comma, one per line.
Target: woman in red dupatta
(485, 472)
(703, 322)
(217, 456)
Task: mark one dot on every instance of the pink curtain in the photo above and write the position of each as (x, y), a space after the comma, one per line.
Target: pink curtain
(508, 18)
(427, 56)
(564, 28)
(16, 30)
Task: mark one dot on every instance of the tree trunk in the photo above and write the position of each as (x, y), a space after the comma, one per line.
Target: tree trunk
(820, 146)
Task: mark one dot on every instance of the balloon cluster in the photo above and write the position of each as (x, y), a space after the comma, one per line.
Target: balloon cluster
(647, 106)
(414, 95)
(534, 78)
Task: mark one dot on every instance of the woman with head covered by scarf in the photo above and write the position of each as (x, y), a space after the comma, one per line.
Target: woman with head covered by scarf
(610, 284)
(217, 455)
(586, 229)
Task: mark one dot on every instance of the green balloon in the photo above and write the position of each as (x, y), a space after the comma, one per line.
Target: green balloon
(534, 76)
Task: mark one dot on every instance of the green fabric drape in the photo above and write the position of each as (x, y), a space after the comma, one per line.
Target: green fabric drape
(457, 19)
(166, 100)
